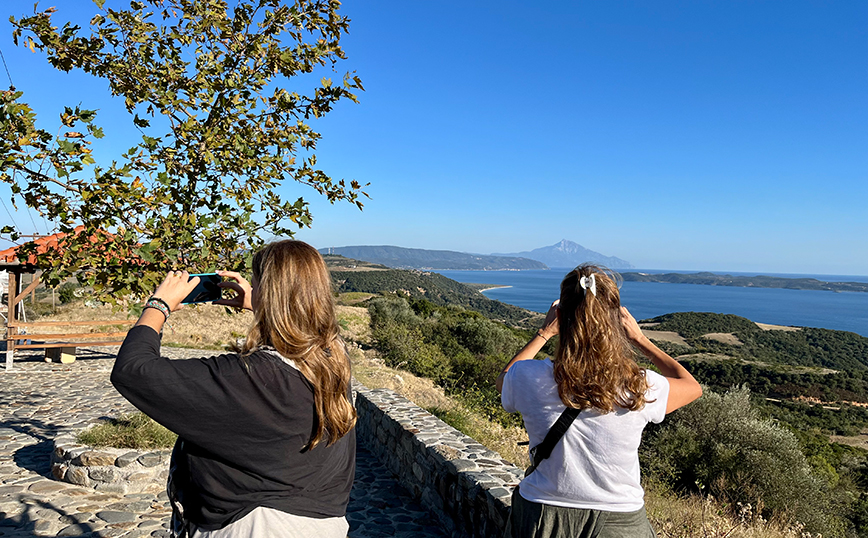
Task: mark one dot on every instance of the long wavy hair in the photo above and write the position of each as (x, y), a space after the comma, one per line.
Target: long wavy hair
(594, 364)
(295, 314)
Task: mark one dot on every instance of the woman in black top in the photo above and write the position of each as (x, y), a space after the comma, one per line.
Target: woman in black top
(265, 444)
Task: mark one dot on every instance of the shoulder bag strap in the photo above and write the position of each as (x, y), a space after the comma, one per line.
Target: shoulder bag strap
(544, 449)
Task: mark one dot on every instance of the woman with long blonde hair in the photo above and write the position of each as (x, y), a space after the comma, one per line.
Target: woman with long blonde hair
(265, 442)
(598, 400)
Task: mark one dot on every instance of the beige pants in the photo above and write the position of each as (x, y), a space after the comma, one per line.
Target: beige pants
(269, 523)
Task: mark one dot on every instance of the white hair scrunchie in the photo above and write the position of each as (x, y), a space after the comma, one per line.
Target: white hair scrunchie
(589, 283)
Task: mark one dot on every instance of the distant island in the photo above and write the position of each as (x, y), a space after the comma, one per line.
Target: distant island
(566, 253)
(759, 281)
(421, 259)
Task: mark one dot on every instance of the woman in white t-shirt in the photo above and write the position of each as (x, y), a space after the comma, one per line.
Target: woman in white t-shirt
(589, 486)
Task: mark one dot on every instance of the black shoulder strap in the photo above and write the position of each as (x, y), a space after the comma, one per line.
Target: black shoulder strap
(544, 449)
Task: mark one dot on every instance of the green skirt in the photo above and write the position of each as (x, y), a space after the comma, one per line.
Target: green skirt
(535, 520)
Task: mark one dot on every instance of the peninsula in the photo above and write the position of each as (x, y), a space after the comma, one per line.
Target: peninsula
(759, 281)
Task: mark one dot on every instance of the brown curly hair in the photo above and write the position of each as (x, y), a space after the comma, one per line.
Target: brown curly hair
(594, 365)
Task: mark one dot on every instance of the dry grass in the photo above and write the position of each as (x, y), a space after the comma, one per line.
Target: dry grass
(673, 516)
(769, 327)
(666, 336)
(202, 326)
(725, 338)
(355, 323)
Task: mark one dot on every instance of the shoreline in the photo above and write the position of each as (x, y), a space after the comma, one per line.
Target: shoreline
(493, 287)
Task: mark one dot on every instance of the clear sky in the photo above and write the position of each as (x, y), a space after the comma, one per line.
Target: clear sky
(675, 135)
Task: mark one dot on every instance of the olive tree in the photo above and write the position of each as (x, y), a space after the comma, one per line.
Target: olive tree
(222, 94)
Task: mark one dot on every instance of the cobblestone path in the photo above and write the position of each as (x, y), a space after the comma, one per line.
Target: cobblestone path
(39, 400)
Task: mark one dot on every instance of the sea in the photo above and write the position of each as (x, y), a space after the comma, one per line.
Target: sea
(843, 311)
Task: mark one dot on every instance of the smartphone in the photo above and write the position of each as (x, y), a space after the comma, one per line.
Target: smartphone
(206, 291)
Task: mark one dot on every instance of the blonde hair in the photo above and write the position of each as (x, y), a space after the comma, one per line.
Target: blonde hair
(594, 365)
(295, 314)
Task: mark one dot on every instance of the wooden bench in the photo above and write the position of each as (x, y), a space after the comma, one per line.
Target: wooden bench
(60, 346)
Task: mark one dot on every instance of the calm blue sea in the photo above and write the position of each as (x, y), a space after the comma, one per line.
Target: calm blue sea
(535, 290)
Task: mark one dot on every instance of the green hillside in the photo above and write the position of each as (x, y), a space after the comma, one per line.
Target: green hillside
(435, 288)
(819, 348)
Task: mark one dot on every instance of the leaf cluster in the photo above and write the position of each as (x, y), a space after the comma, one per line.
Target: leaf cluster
(222, 128)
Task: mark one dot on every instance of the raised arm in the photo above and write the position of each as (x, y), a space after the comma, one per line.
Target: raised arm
(683, 388)
(529, 351)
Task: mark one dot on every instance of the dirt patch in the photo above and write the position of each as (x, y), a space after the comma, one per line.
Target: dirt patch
(725, 338)
(648, 324)
(666, 336)
(707, 357)
(768, 327)
(859, 441)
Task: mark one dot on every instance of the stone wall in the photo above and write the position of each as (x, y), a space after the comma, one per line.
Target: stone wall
(112, 470)
(467, 486)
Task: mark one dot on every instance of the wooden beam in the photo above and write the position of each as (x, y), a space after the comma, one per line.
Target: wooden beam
(65, 336)
(33, 283)
(12, 317)
(68, 344)
(72, 323)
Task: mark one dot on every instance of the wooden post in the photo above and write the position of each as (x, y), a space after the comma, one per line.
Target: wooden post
(12, 317)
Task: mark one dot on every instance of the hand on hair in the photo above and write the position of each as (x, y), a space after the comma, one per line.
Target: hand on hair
(175, 287)
(550, 325)
(241, 287)
(631, 328)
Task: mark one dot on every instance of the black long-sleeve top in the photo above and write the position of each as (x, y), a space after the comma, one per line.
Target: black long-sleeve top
(243, 423)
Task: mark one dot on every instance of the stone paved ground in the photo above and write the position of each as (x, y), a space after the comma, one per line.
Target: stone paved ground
(38, 400)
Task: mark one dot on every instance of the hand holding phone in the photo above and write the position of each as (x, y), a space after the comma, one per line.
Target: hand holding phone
(243, 291)
(206, 291)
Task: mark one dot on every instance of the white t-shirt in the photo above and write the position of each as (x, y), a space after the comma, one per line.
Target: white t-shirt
(596, 463)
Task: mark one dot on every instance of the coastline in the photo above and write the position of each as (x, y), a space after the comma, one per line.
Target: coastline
(493, 287)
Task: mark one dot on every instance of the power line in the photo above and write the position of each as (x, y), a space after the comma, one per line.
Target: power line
(33, 222)
(9, 213)
(11, 85)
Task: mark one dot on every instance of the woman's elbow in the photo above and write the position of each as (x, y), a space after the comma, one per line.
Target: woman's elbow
(697, 391)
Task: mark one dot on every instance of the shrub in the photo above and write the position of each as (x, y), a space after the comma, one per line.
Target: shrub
(485, 337)
(721, 445)
(66, 293)
(404, 347)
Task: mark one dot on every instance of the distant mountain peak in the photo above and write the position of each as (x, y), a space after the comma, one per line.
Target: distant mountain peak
(566, 245)
(566, 253)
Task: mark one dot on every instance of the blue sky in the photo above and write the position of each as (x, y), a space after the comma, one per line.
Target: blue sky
(675, 135)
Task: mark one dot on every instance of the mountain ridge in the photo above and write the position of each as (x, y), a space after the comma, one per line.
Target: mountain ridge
(423, 259)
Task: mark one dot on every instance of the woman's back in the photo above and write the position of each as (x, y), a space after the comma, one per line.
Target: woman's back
(243, 426)
(595, 465)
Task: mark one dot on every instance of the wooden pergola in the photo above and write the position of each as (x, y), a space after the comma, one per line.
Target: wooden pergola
(19, 333)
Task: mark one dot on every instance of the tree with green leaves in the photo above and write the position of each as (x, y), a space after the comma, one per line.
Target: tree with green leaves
(215, 92)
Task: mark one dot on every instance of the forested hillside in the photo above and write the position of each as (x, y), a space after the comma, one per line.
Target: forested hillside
(435, 288)
(759, 281)
(837, 350)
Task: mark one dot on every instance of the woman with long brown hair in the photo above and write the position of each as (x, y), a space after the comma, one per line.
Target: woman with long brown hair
(589, 484)
(265, 442)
